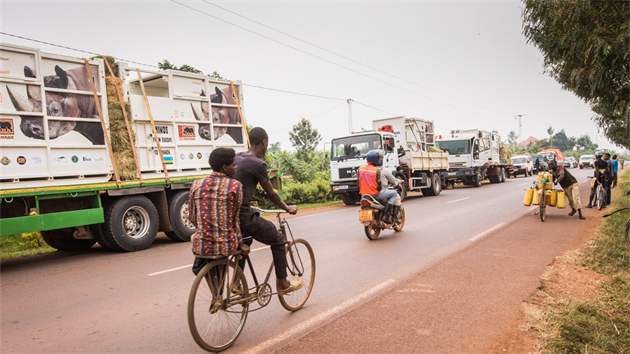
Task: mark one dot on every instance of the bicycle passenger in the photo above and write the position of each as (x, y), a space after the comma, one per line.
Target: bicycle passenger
(610, 177)
(251, 172)
(600, 174)
(570, 186)
(372, 177)
(214, 205)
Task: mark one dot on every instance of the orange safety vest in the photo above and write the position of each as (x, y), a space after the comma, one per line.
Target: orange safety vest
(368, 180)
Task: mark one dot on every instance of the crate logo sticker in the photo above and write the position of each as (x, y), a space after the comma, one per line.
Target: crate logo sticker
(182, 156)
(176, 113)
(161, 129)
(168, 160)
(186, 132)
(21, 160)
(199, 155)
(5, 161)
(196, 88)
(61, 159)
(75, 158)
(7, 130)
(190, 156)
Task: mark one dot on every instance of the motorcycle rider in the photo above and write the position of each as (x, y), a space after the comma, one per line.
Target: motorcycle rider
(372, 177)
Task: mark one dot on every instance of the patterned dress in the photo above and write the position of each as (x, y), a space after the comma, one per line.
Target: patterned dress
(214, 204)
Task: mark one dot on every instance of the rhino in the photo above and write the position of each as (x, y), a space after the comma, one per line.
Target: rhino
(59, 105)
(220, 115)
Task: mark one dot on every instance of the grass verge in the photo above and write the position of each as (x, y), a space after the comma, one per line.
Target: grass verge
(318, 205)
(26, 244)
(568, 324)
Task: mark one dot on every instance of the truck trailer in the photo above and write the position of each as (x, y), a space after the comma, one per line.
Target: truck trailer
(63, 172)
(405, 143)
(475, 155)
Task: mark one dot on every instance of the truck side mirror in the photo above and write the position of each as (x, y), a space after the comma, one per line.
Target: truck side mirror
(401, 151)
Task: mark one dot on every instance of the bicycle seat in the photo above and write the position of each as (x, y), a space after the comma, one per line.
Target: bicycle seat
(374, 203)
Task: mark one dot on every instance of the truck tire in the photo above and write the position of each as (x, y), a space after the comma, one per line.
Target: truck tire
(99, 235)
(350, 199)
(477, 180)
(436, 186)
(131, 223)
(63, 241)
(183, 229)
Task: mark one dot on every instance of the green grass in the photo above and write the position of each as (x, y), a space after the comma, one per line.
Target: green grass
(602, 326)
(318, 205)
(12, 246)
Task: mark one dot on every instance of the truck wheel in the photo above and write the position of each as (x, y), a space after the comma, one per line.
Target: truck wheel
(63, 241)
(436, 186)
(131, 223)
(183, 229)
(99, 235)
(477, 180)
(349, 199)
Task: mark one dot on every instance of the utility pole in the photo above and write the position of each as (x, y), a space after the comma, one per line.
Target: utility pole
(520, 127)
(350, 126)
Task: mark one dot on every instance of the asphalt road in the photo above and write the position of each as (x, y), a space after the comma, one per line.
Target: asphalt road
(136, 302)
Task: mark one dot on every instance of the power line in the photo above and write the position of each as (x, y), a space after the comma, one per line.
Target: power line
(374, 108)
(76, 50)
(313, 118)
(350, 59)
(295, 93)
(332, 62)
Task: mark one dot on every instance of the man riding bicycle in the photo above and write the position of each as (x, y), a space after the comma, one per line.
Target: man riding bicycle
(601, 175)
(372, 177)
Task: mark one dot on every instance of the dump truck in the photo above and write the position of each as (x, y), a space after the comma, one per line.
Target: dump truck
(475, 155)
(65, 169)
(405, 143)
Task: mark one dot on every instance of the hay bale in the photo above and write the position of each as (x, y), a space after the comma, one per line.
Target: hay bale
(434, 149)
(119, 138)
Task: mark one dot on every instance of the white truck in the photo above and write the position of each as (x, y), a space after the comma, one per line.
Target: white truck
(405, 143)
(475, 155)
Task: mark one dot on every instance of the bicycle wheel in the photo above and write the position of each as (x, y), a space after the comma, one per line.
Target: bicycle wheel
(301, 260)
(215, 320)
(543, 207)
(601, 197)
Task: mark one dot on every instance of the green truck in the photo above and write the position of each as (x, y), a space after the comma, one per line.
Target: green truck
(64, 171)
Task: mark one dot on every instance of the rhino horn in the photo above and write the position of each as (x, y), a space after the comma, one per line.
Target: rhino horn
(63, 78)
(198, 115)
(20, 102)
(34, 93)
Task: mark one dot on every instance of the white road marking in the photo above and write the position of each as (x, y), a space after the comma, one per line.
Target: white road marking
(487, 232)
(190, 265)
(457, 200)
(266, 345)
(524, 184)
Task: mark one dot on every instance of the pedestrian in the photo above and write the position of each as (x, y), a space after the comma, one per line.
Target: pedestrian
(570, 186)
(601, 176)
(621, 161)
(610, 178)
(615, 164)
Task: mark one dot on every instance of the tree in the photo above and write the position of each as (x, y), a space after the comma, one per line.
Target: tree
(512, 138)
(304, 139)
(550, 132)
(563, 142)
(166, 65)
(585, 49)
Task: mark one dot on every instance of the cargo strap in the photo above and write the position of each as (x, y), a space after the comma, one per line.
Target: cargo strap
(102, 118)
(155, 136)
(240, 113)
(124, 110)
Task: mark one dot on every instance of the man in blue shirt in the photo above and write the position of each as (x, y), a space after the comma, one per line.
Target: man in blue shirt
(610, 177)
(615, 164)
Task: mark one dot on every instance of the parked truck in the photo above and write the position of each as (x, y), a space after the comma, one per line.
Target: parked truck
(61, 172)
(405, 143)
(475, 155)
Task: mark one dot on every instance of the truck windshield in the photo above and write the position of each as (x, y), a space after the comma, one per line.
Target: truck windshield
(518, 160)
(354, 146)
(586, 158)
(455, 147)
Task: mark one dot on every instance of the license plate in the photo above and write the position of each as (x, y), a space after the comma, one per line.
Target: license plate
(342, 187)
(452, 173)
(365, 215)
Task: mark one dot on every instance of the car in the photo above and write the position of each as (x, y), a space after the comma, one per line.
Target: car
(543, 162)
(570, 162)
(586, 161)
(523, 165)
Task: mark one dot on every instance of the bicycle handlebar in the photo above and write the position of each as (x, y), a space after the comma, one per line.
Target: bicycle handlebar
(269, 211)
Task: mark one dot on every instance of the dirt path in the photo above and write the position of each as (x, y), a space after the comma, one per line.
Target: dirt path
(469, 303)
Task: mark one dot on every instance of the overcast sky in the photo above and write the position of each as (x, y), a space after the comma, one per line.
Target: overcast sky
(462, 64)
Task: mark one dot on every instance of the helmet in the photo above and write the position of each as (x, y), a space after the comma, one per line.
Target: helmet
(375, 157)
(599, 154)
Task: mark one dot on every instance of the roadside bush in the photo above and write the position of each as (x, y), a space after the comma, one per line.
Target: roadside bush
(317, 191)
(32, 240)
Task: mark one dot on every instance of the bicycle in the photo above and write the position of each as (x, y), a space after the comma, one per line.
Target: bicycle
(542, 203)
(627, 231)
(220, 299)
(600, 193)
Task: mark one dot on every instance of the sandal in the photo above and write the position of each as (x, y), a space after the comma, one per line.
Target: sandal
(295, 285)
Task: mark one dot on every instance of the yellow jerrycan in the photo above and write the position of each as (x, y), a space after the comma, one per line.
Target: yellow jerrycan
(562, 202)
(529, 196)
(554, 198)
(536, 198)
(540, 176)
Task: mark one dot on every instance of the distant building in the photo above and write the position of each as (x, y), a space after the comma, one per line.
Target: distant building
(528, 141)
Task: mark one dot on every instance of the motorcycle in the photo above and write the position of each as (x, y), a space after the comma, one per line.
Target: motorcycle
(371, 216)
